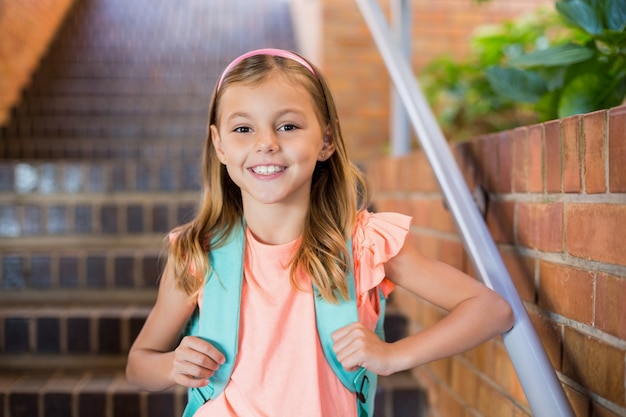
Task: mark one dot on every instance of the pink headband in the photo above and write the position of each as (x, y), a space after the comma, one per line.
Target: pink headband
(267, 51)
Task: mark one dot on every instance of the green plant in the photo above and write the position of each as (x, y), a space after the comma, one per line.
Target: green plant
(460, 93)
(580, 75)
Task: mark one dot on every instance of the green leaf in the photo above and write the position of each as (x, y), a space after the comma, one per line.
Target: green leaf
(581, 14)
(584, 94)
(555, 56)
(615, 14)
(516, 84)
(546, 107)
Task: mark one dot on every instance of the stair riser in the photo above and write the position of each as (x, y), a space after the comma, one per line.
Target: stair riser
(86, 218)
(62, 337)
(91, 269)
(146, 170)
(114, 399)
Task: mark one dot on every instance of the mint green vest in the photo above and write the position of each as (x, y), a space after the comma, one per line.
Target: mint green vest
(219, 325)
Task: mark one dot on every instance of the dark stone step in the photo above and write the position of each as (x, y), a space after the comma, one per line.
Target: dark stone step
(172, 126)
(80, 218)
(69, 336)
(74, 268)
(95, 393)
(144, 170)
(116, 106)
(108, 394)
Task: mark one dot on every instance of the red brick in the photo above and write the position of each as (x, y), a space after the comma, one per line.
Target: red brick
(571, 154)
(449, 405)
(465, 382)
(566, 291)
(522, 272)
(581, 404)
(617, 149)
(493, 403)
(440, 217)
(481, 357)
(388, 174)
(595, 365)
(441, 369)
(550, 334)
(427, 181)
(594, 125)
(452, 253)
(427, 245)
(593, 232)
(553, 164)
(598, 410)
(419, 210)
(520, 159)
(535, 159)
(24, 45)
(408, 179)
(611, 304)
(540, 226)
(500, 217)
(490, 163)
(505, 165)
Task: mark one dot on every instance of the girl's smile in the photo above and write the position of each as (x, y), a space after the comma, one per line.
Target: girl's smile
(270, 139)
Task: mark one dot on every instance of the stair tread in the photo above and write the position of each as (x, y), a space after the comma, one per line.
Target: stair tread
(71, 381)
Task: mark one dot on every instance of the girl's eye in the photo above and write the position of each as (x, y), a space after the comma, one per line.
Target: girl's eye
(241, 129)
(287, 127)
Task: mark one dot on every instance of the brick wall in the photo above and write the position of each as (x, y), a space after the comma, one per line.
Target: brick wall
(357, 75)
(557, 206)
(26, 29)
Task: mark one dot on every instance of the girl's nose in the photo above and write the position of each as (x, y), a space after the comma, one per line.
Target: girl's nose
(267, 142)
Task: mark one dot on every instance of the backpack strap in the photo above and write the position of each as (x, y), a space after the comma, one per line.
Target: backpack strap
(221, 299)
(331, 317)
(222, 292)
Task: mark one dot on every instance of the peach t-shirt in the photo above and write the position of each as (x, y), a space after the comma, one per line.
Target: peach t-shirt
(280, 368)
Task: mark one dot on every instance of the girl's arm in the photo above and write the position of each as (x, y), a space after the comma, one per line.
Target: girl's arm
(476, 314)
(154, 361)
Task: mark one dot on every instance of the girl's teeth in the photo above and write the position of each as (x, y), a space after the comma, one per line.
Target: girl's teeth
(267, 170)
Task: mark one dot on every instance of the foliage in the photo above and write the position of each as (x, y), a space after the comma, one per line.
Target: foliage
(546, 65)
(575, 76)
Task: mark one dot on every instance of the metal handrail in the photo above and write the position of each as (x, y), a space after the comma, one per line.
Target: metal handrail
(537, 377)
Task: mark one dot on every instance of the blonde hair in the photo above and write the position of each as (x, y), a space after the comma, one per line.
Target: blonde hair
(338, 192)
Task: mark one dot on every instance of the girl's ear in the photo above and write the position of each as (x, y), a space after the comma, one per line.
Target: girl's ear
(329, 146)
(217, 144)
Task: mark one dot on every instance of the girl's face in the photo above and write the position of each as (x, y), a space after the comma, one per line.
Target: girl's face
(270, 140)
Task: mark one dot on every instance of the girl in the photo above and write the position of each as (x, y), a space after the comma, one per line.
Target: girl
(275, 161)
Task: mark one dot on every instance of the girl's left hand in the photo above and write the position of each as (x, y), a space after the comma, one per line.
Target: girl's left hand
(357, 346)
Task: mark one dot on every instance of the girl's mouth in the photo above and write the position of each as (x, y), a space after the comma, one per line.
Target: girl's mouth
(267, 169)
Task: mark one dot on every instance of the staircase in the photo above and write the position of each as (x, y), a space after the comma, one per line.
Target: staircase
(99, 161)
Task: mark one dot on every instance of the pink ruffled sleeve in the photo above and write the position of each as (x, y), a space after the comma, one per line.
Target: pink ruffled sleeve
(377, 238)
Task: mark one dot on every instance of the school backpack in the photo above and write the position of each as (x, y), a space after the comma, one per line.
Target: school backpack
(222, 297)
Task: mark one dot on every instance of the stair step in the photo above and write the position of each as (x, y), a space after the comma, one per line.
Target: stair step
(55, 147)
(69, 336)
(77, 219)
(79, 267)
(97, 393)
(109, 126)
(136, 105)
(102, 393)
(147, 172)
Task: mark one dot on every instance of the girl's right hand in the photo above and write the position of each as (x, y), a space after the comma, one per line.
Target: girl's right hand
(195, 361)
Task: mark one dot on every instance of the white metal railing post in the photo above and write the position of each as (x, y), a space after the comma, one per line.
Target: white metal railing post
(537, 377)
(401, 25)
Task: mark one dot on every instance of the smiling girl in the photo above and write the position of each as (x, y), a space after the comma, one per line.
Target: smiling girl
(275, 164)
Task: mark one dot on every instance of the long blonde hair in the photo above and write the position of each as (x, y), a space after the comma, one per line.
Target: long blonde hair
(338, 192)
